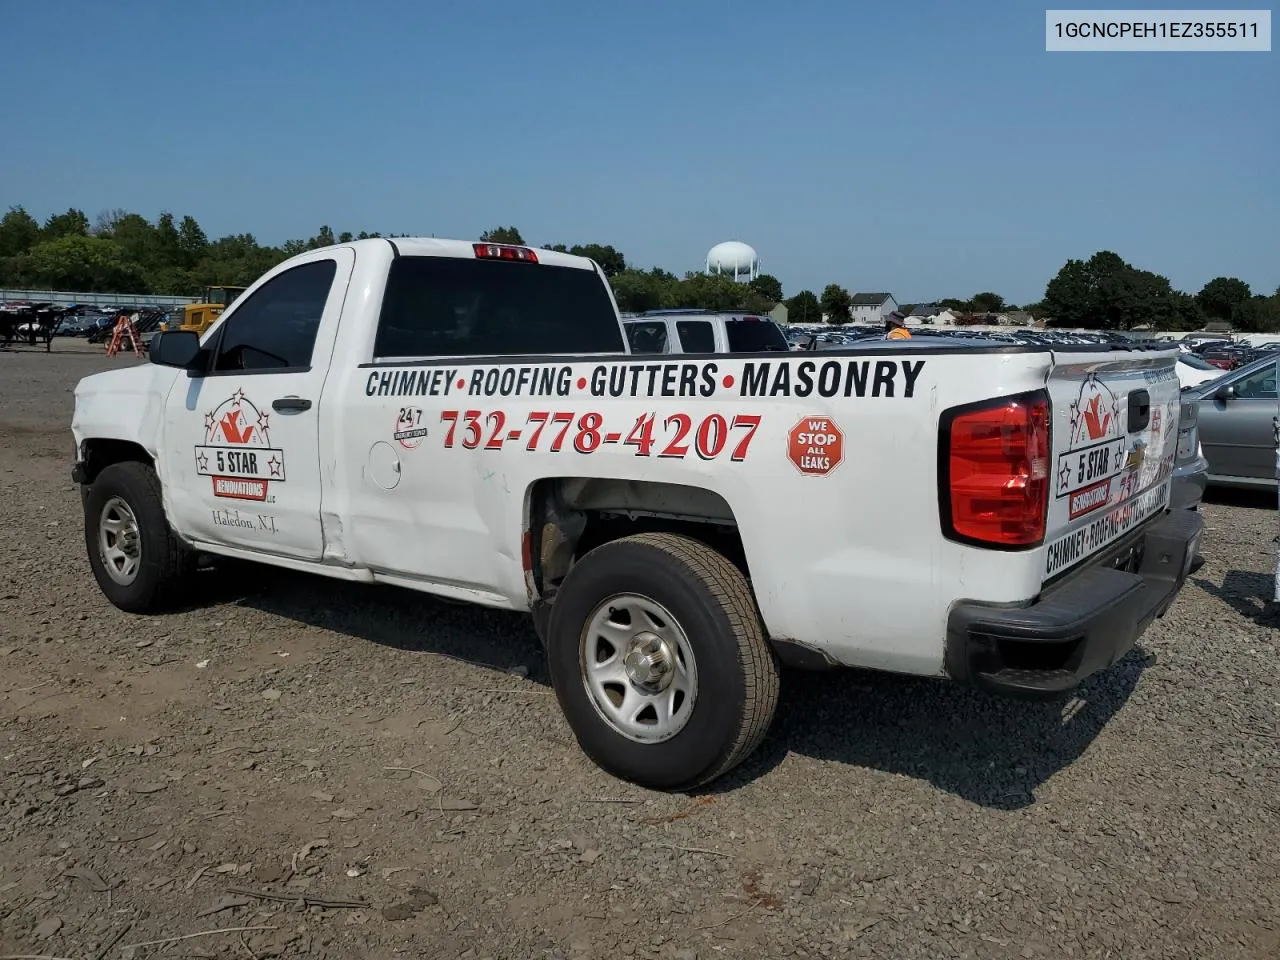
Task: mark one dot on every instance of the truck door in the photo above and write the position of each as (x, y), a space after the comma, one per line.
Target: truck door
(241, 440)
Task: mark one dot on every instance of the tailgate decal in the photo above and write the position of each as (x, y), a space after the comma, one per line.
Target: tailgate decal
(1068, 550)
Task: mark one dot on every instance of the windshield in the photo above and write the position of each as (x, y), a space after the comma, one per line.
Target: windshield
(754, 336)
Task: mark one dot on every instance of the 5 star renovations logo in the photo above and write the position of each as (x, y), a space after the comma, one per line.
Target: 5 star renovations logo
(237, 454)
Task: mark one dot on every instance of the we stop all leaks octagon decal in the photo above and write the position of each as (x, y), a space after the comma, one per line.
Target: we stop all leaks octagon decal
(237, 453)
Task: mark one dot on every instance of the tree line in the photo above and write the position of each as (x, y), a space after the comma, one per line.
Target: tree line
(123, 252)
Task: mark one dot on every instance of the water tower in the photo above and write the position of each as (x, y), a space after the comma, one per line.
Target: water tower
(734, 258)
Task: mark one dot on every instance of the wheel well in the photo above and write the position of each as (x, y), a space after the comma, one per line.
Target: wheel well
(98, 454)
(567, 517)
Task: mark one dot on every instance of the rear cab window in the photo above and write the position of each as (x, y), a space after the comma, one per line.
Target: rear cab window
(457, 307)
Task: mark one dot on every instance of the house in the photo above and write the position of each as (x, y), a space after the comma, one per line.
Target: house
(872, 308)
(1020, 318)
(779, 314)
(931, 313)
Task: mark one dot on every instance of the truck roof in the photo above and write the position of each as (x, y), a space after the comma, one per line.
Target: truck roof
(465, 249)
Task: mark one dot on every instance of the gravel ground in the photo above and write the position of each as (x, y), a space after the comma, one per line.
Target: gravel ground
(376, 773)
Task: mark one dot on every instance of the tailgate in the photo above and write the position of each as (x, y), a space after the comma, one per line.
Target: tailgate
(1115, 435)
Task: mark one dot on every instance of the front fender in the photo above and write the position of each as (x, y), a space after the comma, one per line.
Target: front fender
(125, 406)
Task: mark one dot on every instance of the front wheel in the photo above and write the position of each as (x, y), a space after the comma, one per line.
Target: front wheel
(659, 661)
(138, 562)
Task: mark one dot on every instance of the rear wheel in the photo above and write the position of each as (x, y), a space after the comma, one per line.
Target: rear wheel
(138, 562)
(659, 660)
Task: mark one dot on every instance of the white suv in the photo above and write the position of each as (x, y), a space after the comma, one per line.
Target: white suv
(700, 331)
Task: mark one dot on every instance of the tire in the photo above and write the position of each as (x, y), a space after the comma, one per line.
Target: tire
(721, 673)
(143, 567)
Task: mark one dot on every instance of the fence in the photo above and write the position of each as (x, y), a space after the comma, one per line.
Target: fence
(95, 299)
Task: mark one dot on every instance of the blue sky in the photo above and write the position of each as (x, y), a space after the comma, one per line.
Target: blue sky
(930, 149)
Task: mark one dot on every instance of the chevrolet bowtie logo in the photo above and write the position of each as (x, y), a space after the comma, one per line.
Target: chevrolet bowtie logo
(1136, 456)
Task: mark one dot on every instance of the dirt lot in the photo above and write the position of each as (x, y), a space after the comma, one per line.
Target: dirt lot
(349, 772)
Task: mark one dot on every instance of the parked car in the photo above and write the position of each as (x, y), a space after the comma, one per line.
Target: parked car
(1236, 424)
(697, 331)
(1194, 369)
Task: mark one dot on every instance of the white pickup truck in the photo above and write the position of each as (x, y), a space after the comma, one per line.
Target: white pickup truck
(465, 419)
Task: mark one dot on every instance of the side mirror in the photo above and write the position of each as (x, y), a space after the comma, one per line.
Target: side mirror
(175, 348)
(1225, 393)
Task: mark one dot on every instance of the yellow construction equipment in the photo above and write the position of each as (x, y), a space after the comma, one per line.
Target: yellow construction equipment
(199, 317)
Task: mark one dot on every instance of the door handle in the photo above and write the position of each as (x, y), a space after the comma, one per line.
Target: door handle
(290, 404)
(1139, 410)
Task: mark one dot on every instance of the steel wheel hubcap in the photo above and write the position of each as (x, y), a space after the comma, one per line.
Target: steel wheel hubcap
(119, 541)
(638, 668)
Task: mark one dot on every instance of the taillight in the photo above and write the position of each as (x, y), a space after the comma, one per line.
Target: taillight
(994, 459)
(503, 251)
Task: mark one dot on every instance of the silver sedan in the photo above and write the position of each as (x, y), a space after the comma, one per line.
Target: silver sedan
(1237, 425)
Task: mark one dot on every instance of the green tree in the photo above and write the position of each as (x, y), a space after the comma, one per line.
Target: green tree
(192, 241)
(768, 287)
(503, 235)
(324, 238)
(1258, 314)
(79, 263)
(1105, 292)
(987, 302)
(1187, 313)
(104, 224)
(638, 290)
(611, 261)
(136, 238)
(19, 232)
(708, 292)
(1218, 297)
(804, 308)
(167, 244)
(345, 237)
(73, 223)
(836, 303)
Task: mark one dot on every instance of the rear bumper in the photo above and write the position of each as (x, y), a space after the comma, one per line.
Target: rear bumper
(1190, 480)
(1078, 627)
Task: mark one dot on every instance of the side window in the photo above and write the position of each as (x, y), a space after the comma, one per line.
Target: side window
(1258, 386)
(649, 336)
(696, 336)
(276, 327)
